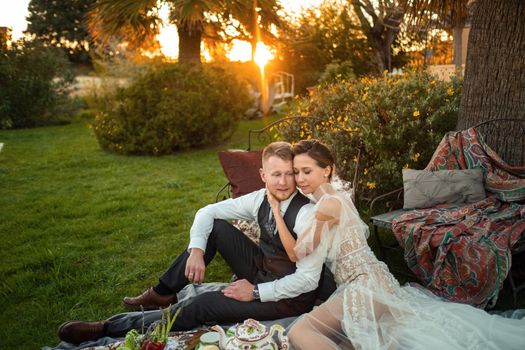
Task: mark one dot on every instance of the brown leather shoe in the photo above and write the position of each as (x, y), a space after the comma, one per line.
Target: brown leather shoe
(150, 300)
(77, 332)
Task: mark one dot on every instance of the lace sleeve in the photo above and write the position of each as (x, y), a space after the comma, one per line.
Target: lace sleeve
(326, 215)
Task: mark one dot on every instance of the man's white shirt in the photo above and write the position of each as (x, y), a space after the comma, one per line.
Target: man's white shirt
(308, 272)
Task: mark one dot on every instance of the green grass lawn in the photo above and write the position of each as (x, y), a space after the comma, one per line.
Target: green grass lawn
(82, 228)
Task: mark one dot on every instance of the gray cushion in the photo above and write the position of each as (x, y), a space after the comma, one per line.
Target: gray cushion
(425, 189)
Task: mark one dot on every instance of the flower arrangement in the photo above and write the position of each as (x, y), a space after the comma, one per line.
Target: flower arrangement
(155, 338)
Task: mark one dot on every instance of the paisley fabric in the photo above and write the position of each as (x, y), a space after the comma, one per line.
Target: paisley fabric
(462, 252)
(467, 150)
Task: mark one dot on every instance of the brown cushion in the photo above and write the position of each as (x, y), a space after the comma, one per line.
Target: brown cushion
(425, 189)
(242, 170)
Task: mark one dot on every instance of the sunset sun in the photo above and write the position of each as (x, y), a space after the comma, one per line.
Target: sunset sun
(262, 55)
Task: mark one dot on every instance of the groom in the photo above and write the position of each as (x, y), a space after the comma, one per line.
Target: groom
(270, 286)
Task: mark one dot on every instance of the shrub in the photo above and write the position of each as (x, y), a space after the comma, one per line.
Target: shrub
(35, 82)
(336, 70)
(172, 107)
(395, 121)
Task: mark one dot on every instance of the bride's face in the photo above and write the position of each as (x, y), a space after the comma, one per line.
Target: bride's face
(308, 174)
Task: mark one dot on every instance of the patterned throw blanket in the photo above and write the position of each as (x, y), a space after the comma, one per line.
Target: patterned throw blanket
(462, 252)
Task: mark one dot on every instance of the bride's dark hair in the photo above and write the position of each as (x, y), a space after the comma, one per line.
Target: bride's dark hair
(317, 151)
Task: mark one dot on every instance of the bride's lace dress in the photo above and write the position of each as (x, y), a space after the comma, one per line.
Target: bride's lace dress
(371, 310)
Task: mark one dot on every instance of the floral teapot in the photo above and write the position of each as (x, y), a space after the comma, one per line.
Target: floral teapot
(252, 335)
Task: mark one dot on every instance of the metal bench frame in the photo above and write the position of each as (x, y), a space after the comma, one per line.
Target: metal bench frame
(393, 200)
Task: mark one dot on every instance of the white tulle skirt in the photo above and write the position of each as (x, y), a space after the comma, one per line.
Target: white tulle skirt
(363, 317)
(370, 310)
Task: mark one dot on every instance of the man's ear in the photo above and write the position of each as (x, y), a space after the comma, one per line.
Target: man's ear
(263, 175)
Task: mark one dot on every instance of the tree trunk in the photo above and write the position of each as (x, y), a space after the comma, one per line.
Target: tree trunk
(380, 30)
(458, 48)
(390, 36)
(494, 85)
(381, 43)
(189, 44)
(379, 52)
(254, 47)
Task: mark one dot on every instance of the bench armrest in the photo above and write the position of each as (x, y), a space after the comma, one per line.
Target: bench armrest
(223, 193)
(395, 195)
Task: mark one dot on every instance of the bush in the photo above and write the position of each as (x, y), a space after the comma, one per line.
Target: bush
(336, 70)
(172, 107)
(35, 82)
(396, 122)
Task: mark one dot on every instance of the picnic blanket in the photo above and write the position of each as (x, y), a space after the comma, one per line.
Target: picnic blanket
(188, 292)
(462, 252)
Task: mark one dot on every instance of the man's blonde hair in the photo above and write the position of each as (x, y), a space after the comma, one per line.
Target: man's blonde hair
(279, 149)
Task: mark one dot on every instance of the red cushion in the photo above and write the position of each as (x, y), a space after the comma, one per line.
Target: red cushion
(242, 170)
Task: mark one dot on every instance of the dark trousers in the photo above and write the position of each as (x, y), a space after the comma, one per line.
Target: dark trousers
(239, 252)
(207, 309)
(242, 256)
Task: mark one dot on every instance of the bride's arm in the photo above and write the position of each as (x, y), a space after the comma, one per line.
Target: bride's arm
(326, 216)
(284, 234)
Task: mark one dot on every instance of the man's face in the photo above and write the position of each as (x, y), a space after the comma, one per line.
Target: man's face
(278, 176)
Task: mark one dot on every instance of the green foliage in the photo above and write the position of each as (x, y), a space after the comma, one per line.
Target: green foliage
(172, 107)
(395, 122)
(35, 81)
(337, 71)
(108, 77)
(56, 22)
(132, 341)
(324, 35)
(162, 328)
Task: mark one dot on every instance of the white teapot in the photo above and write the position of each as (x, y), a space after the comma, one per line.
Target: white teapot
(252, 335)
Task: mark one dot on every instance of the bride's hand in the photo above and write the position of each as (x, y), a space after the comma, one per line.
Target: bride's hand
(274, 203)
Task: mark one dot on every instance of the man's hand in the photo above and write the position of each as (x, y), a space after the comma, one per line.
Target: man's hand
(195, 266)
(241, 290)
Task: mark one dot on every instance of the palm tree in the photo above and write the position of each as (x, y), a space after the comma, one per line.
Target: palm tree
(252, 25)
(494, 82)
(136, 20)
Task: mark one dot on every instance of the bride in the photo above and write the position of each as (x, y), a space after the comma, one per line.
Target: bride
(369, 309)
